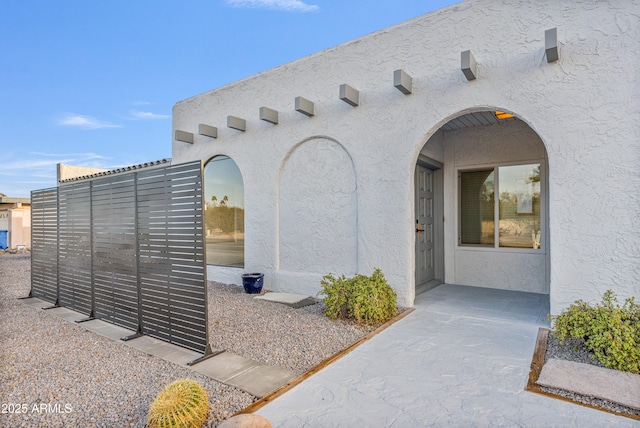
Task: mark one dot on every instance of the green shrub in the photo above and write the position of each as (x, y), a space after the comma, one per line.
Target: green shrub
(612, 332)
(183, 403)
(366, 299)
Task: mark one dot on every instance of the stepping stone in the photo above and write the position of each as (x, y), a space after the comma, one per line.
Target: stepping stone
(586, 379)
(294, 300)
(249, 375)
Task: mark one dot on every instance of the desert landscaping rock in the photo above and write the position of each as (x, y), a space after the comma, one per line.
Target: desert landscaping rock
(63, 375)
(246, 421)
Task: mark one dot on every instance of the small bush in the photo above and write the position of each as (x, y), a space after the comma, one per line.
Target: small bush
(612, 332)
(183, 403)
(366, 299)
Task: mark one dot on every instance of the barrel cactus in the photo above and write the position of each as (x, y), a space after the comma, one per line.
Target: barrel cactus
(183, 403)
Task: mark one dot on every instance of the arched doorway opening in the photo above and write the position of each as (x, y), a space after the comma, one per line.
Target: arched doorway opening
(224, 212)
(484, 220)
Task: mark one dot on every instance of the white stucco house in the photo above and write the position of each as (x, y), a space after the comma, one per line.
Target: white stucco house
(390, 151)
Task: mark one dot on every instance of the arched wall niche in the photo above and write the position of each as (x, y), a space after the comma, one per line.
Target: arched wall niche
(317, 211)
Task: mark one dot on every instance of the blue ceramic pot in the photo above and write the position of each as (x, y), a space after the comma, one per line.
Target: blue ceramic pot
(252, 282)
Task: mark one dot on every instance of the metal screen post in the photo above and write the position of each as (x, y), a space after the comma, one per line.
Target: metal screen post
(208, 353)
(92, 291)
(138, 332)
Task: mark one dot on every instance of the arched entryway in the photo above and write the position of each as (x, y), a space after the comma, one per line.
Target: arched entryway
(481, 205)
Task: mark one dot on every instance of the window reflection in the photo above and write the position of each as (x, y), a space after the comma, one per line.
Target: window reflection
(224, 212)
(519, 187)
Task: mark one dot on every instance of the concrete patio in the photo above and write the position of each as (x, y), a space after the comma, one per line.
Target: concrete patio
(461, 359)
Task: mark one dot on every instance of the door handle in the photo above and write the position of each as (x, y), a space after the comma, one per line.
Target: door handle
(419, 228)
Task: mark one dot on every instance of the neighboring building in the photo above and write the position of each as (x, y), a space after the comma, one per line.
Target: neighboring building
(69, 172)
(409, 169)
(15, 222)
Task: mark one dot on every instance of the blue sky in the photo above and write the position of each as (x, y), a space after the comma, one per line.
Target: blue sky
(92, 83)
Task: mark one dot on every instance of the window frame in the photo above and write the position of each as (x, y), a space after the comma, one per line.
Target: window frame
(495, 167)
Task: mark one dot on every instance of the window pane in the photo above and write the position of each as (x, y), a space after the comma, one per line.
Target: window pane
(519, 188)
(224, 212)
(477, 220)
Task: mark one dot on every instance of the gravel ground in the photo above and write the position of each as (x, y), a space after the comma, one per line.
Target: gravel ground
(574, 350)
(99, 382)
(273, 333)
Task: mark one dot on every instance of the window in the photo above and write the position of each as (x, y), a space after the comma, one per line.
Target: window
(224, 212)
(506, 213)
(477, 219)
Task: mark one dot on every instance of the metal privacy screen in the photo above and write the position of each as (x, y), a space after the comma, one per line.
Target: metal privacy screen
(127, 248)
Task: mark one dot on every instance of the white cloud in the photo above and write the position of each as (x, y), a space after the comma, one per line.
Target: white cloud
(82, 156)
(34, 164)
(85, 122)
(145, 115)
(288, 5)
(28, 164)
(37, 170)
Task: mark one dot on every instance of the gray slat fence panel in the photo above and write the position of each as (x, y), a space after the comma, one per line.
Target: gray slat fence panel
(44, 244)
(127, 248)
(171, 255)
(114, 250)
(74, 247)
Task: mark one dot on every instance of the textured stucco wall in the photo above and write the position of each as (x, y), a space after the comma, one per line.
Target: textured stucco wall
(583, 108)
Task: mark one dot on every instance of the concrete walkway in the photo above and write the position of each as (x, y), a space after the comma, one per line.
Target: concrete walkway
(461, 359)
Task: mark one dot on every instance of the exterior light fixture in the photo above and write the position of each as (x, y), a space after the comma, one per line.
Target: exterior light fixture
(349, 95)
(468, 65)
(503, 115)
(269, 115)
(208, 130)
(238, 123)
(304, 106)
(551, 44)
(402, 81)
(186, 137)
